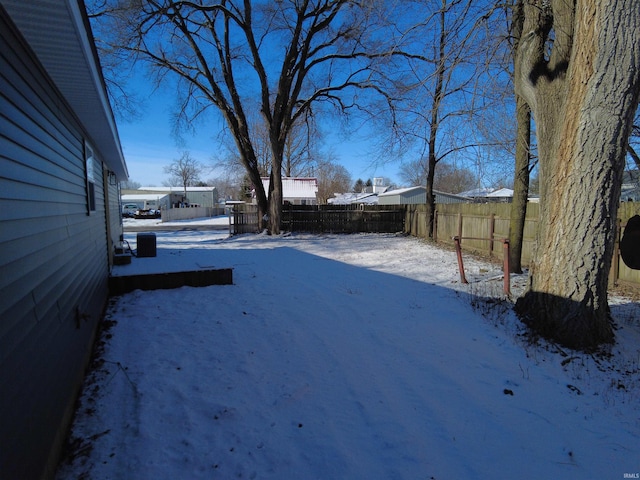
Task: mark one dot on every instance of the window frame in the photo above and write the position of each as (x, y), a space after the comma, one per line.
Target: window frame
(90, 180)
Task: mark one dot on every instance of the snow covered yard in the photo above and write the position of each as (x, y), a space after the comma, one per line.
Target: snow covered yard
(345, 357)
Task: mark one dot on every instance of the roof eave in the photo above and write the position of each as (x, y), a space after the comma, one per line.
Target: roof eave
(67, 51)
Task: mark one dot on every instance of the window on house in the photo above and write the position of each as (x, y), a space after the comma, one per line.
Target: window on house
(90, 178)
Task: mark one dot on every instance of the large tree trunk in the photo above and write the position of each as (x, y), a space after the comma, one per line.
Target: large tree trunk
(435, 121)
(520, 185)
(523, 158)
(583, 97)
(431, 169)
(275, 198)
(278, 139)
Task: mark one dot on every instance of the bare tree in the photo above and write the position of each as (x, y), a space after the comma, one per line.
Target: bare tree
(130, 185)
(291, 55)
(302, 148)
(438, 106)
(452, 179)
(302, 153)
(448, 177)
(521, 179)
(522, 154)
(184, 171)
(332, 178)
(228, 187)
(576, 67)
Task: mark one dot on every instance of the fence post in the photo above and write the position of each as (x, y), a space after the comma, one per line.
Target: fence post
(463, 279)
(506, 267)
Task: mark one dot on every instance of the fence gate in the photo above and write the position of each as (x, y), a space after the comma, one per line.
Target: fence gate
(245, 218)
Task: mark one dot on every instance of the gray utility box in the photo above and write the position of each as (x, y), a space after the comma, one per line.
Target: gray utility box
(146, 244)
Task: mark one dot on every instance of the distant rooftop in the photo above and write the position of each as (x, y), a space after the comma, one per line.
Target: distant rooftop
(296, 187)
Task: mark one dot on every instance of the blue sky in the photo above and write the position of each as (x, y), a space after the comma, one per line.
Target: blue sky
(149, 144)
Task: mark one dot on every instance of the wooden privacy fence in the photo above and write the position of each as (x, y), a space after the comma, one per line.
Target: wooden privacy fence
(325, 218)
(244, 218)
(343, 218)
(480, 227)
(620, 273)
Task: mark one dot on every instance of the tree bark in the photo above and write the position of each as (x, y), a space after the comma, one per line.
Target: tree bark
(435, 120)
(520, 185)
(523, 158)
(583, 96)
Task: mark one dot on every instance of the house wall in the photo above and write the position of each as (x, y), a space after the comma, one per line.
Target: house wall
(300, 201)
(53, 261)
(113, 212)
(443, 199)
(203, 198)
(389, 200)
(411, 197)
(417, 196)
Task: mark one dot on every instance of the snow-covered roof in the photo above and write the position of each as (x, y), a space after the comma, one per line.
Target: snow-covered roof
(400, 191)
(349, 198)
(476, 192)
(140, 197)
(296, 187)
(630, 192)
(487, 192)
(501, 192)
(176, 189)
(440, 197)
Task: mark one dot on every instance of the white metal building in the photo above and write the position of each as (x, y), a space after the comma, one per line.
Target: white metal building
(196, 196)
(417, 195)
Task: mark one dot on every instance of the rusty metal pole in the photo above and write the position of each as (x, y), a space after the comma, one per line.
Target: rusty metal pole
(506, 267)
(456, 240)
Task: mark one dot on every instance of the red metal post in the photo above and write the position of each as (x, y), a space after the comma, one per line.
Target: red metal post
(506, 266)
(456, 240)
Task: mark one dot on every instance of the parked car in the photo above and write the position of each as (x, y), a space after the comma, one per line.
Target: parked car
(129, 210)
(144, 214)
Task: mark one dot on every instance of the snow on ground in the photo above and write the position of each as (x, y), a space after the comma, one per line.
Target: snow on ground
(219, 220)
(345, 357)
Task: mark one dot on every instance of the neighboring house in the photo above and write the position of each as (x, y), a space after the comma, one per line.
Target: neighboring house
(378, 186)
(630, 191)
(148, 201)
(354, 198)
(297, 190)
(60, 166)
(417, 195)
(476, 193)
(196, 196)
(484, 195)
(368, 196)
(501, 195)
